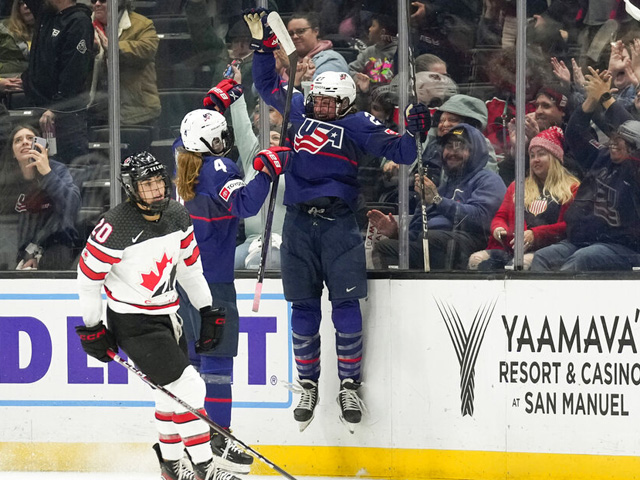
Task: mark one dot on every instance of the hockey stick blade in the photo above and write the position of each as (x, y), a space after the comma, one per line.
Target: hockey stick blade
(117, 358)
(278, 27)
(256, 296)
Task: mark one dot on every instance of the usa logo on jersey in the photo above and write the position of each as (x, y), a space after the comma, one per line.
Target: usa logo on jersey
(313, 135)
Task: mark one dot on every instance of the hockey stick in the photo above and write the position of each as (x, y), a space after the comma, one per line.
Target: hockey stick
(201, 416)
(278, 27)
(421, 172)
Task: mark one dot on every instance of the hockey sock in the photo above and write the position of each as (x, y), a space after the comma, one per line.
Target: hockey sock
(193, 431)
(347, 320)
(217, 374)
(305, 323)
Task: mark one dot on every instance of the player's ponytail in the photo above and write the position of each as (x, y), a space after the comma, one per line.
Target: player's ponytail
(189, 165)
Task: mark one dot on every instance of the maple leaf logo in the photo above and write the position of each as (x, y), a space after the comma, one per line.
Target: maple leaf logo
(150, 280)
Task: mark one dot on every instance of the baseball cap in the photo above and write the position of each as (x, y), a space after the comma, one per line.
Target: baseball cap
(457, 133)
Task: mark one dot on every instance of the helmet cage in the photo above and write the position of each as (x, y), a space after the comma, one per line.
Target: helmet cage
(136, 169)
(206, 131)
(338, 85)
(222, 144)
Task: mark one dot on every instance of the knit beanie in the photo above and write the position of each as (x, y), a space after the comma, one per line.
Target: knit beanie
(559, 98)
(552, 140)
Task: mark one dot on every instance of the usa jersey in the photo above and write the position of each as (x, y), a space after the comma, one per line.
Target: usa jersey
(138, 263)
(222, 198)
(327, 153)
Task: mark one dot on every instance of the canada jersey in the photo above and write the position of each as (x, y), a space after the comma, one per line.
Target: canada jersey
(138, 262)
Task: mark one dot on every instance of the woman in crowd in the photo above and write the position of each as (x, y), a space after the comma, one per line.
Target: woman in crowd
(548, 190)
(137, 43)
(15, 41)
(42, 193)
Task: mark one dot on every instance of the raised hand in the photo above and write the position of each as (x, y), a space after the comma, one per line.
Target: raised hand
(223, 95)
(560, 70)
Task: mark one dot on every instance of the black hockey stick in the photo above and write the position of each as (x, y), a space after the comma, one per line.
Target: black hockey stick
(201, 416)
(421, 171)
(278, 27)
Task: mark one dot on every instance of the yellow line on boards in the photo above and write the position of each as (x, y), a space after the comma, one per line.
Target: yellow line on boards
(386, 463)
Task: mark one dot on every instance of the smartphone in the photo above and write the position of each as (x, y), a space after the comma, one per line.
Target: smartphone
(40, 141)
(228, 73)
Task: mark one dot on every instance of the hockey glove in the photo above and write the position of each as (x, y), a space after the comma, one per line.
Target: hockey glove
(274, 159)
(262, 37)
(212, 325)
(96, 341)
(418, 120)
(223, 95)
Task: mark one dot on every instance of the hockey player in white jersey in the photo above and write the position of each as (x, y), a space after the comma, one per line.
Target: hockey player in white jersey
(137, 252)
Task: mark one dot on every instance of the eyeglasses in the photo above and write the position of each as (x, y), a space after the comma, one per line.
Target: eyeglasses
(298, 31)
(96, 1)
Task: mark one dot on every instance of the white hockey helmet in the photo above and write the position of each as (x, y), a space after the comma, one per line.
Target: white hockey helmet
(338, 85)
(206, 131)
(334, 84)
(633, 8)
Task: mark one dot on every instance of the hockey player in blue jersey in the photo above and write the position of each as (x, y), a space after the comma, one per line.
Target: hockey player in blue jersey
(321, 239)
(211, 186)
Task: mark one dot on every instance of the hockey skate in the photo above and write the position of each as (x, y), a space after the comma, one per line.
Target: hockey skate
(212, 471)
(173, 469)
(304, 412)
(228, 456)
(351, 405)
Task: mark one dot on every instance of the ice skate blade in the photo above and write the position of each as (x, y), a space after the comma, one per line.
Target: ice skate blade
(303, 425)
(350, 426)
(229, 466)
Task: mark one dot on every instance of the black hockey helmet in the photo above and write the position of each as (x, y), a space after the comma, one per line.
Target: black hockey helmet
(137, 168)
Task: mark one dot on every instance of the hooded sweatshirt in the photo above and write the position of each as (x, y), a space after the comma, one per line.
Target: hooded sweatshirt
(469, 108)
(326, 59)
(469, 200)
(61, 57)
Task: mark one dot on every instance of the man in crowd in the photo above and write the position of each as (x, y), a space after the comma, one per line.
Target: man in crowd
(58, 75)
(459, 211)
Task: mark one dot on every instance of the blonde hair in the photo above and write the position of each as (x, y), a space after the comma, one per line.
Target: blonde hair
(557, 185)
(16, 25)
(189, 165)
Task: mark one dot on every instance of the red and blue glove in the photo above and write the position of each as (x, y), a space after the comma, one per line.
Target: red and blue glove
(418, 120)
(223, 95)
(96, 341)
(211, 328)
(274, 159)
(262, 37)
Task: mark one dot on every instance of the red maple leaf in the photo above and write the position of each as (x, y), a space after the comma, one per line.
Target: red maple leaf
(150, 280)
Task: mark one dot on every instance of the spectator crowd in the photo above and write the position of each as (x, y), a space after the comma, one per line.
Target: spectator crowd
(582, 122)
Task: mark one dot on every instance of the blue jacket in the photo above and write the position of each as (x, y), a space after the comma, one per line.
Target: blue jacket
(469, 201)
(48, 208)
(325, 162)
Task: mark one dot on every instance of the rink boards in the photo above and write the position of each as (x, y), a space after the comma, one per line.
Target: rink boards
(477, 379)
